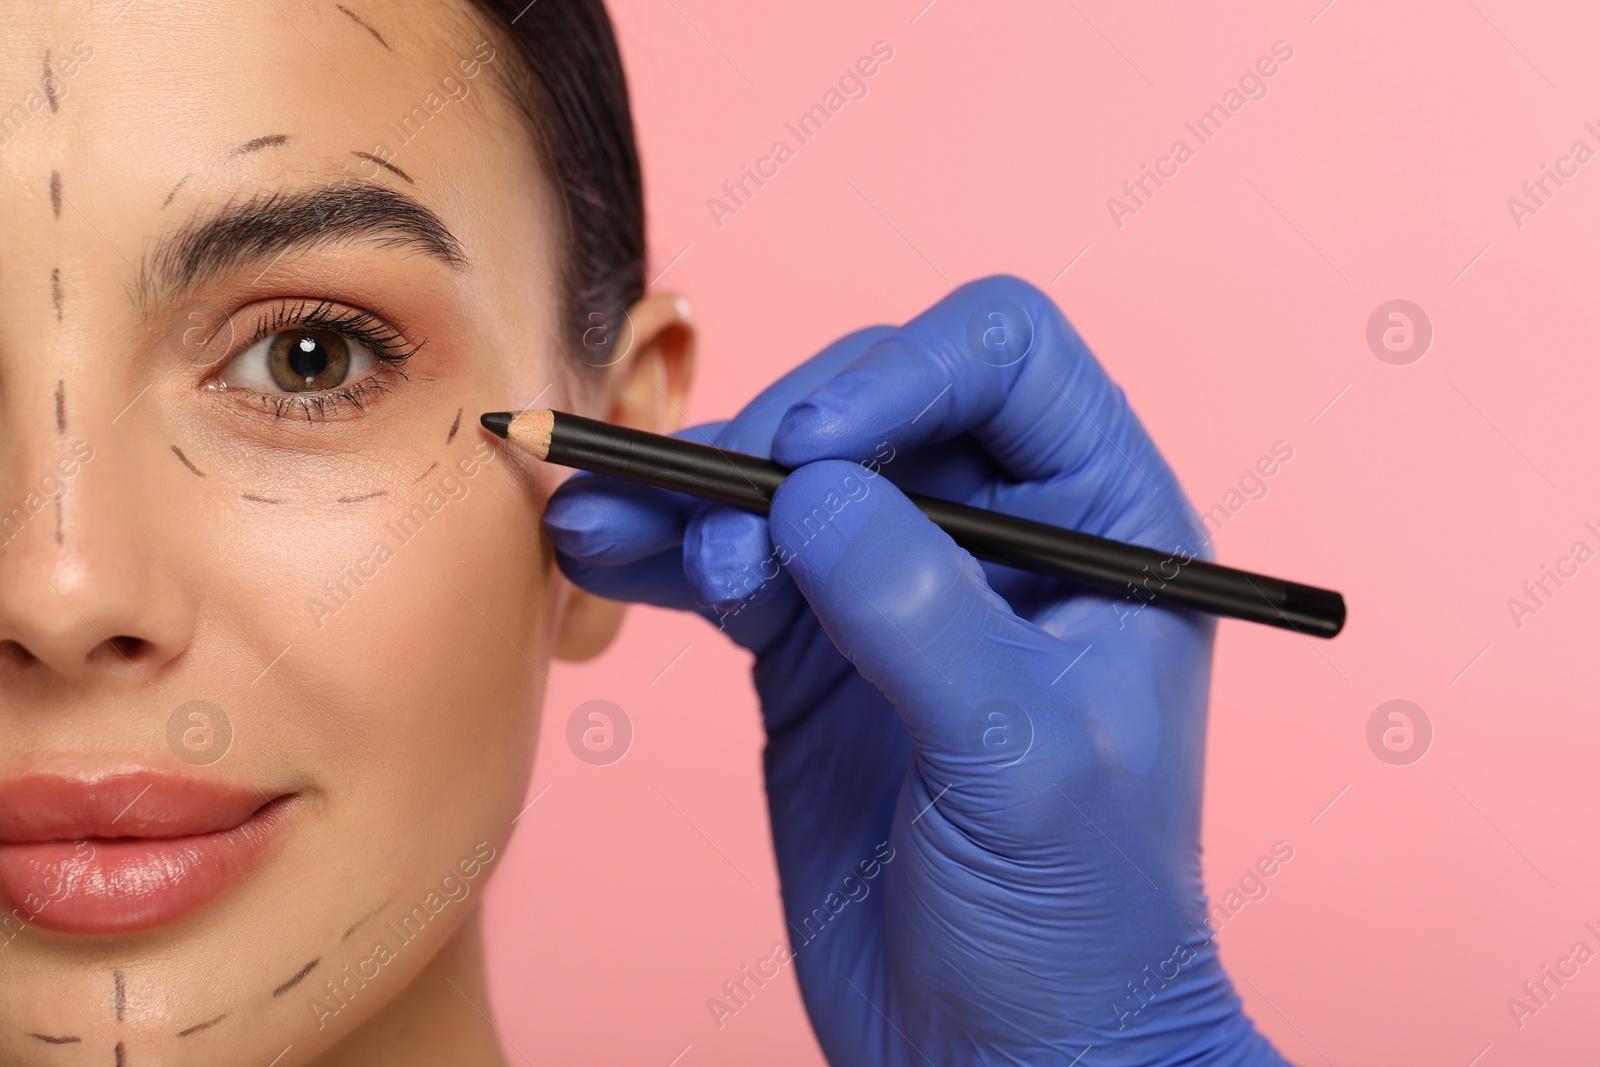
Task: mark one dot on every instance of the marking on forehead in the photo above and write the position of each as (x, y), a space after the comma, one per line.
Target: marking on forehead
(271, 140)
(50, 85)
(57, 297)
(258, 499)
(51, 1039)
(61, 407)
(299, 976)
(385, 164)
(353, 17)
(454, 426)
(197, 1027)
(55, 193)
(196, 471)
(175, 189)
(425, 473)
(359, 499)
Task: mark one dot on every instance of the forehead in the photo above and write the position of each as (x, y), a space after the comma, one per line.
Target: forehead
(140, 96)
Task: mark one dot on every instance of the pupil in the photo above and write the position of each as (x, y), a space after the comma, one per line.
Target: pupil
(307, 358)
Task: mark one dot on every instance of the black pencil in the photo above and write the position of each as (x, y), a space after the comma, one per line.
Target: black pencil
(744, 481)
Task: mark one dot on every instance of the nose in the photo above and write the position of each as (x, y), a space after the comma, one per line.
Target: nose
(87, 588)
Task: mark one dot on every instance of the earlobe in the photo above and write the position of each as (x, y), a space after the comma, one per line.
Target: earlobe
(588, 627)
(646, 390)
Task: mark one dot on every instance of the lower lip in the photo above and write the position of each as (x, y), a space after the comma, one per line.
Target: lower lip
(124, 885)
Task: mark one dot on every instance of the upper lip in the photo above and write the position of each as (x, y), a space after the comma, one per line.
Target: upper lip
(132, 804)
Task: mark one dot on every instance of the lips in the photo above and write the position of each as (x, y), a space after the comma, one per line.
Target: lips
(127, 852)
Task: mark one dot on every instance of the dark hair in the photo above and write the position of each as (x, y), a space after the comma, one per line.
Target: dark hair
(567, 79)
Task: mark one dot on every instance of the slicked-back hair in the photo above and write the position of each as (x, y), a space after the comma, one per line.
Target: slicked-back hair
(566, 77)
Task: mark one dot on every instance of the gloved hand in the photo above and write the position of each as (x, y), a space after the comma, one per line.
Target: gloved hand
(984, 785)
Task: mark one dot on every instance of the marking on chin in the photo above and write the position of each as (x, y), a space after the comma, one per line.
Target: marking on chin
(298, 977)
(198, 1027)
(51, 1039)
(357, 924)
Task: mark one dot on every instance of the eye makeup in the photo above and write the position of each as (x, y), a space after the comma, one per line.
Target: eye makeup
(311, 358)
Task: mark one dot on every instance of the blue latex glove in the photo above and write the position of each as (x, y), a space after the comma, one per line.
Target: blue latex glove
(984, 785)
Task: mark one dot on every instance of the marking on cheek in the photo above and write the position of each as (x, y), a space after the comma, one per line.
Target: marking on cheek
(57, 297)
(61, 406)
(197, 1027)
(175, 189)
(50, 1039)
(425, 473)
(258, 499)
(196, 471)
(353, 17)
(299, 976)
(271, 140)
(50, 85)
(55, 193)
(120, 997)
(357, 924)
(385, 164)
(454, 426)
(359, 499)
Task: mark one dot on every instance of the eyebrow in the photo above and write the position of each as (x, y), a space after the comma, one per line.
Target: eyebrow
(267, 226)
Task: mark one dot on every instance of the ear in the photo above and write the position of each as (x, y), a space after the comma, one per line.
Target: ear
(645, 389)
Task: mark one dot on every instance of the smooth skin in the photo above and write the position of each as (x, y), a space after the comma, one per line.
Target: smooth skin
(984, 785)
(403, 723)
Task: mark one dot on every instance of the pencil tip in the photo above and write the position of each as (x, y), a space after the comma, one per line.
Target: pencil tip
(497, 422)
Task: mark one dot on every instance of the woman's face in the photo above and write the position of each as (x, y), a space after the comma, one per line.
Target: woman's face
(274, 612)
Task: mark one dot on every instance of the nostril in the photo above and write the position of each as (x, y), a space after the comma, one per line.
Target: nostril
(123, 647)
(15, 654)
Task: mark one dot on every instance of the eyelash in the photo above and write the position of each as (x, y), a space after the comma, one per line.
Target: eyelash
(387, 344)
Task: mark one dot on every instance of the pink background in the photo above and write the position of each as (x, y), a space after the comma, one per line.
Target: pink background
(1233, 308)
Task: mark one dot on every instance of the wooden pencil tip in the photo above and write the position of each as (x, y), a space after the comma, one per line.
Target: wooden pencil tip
(529, 431)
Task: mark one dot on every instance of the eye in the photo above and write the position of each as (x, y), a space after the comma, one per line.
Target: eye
(300, 360)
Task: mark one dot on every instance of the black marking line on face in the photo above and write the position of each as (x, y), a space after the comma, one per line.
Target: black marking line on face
(454, 426)
(58, 522)
(385, 164)
(196, 471)
(271, 140)
(51, 1039)
(197, 1027)
(359, 499)
(175, 189)
(50, 85)
(120, 999)
(357, 924)
(425, 473)
(61, 407)
(258, 499)
(55, 193)
(299, 976)
(57, 297)
(122, 1055)
(353, 17)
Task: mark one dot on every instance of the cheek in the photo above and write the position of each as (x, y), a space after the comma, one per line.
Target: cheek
(413, 622)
